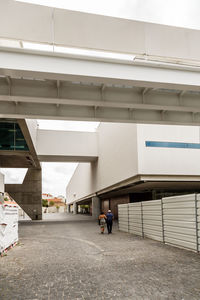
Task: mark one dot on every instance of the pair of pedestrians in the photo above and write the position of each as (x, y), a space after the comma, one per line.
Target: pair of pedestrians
(106, 219)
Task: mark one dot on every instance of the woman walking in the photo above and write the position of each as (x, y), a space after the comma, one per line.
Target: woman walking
(102, 221)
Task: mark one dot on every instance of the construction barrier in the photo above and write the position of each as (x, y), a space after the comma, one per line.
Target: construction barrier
(123, 217)
(172, 220)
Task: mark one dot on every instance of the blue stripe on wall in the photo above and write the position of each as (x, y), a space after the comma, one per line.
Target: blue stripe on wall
(172, 145)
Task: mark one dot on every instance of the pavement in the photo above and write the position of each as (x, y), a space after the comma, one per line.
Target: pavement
(65, 257)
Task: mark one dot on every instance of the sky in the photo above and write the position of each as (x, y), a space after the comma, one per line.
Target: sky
(55, 177)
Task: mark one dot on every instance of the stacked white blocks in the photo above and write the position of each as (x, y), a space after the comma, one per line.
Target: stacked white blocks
(8, 226)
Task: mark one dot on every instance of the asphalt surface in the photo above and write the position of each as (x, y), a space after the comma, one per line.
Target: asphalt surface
(68, 258)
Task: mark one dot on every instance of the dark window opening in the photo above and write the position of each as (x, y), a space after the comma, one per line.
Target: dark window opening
(11, 137)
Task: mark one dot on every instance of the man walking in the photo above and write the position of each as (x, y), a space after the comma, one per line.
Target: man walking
(109, 220)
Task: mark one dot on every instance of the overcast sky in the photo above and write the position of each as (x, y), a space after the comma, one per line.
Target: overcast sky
(55, 176)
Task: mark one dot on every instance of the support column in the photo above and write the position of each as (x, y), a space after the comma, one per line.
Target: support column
(95, 207)
(75, 208)
(68, 208)
(28, 194)
(2, 187)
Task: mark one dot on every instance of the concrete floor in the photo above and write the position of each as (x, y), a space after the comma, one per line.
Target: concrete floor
(67, 258)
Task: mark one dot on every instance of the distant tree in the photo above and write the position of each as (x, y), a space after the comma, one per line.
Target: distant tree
(51, 203)
(6, 199)
(44, 203)
(84, 206)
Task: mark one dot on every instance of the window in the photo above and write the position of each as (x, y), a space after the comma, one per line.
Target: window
(172, 145)
(11, 137)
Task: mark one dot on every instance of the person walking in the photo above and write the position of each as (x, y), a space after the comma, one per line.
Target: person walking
(102, 221)
(109, 220)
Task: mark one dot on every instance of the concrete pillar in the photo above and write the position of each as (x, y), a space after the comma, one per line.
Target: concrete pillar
(1, 183)
(153, 194)
(68, 208)
(95, 207)
(28, 194)
(75, 208)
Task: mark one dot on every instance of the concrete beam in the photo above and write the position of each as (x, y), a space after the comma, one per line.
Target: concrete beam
(67, 158)
(66, 146)
(38, 99)
(28, 195)
(29, 141)
(33, 65)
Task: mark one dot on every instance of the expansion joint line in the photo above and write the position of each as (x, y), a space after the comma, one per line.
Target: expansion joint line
(196, 221)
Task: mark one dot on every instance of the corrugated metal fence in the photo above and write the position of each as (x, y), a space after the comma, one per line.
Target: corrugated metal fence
(172, 220)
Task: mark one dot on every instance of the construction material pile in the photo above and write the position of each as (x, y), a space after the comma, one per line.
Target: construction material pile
(8, 225)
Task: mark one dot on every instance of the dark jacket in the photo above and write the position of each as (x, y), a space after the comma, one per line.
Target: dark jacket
(109, 217)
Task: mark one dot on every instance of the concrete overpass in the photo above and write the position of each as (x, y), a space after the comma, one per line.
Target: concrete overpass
(77, 66)
(152, 77)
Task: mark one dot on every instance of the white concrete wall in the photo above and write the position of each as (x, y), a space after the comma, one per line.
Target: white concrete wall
(82, 183)
(32, 127)
(1, 183)
(72, 143)
(168, 161)
(123, 154)
(117, 146)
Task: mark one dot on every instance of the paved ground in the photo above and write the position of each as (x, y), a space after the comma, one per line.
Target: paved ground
(70, 259)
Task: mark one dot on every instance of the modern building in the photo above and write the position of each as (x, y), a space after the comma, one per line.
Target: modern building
(81, 66)
(138, 163)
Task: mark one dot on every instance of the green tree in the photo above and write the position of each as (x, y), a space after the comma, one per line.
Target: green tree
(44, 203)
(51, 203)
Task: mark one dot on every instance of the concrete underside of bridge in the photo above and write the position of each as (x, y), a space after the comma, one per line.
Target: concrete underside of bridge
(28, 194)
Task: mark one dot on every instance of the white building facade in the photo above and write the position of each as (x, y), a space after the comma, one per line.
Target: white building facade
(138, 162)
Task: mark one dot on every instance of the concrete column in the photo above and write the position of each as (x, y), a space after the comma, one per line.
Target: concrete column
(1, 183)
(75, 208)
(28, 194)
(95, 207)
(68, 208)
(153, 194)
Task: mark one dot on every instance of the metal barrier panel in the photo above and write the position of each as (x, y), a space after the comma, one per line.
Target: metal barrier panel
(152, 219)
(179, 215)
(198, 221)
(123, 217)
(135, 218)
(173, 220)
